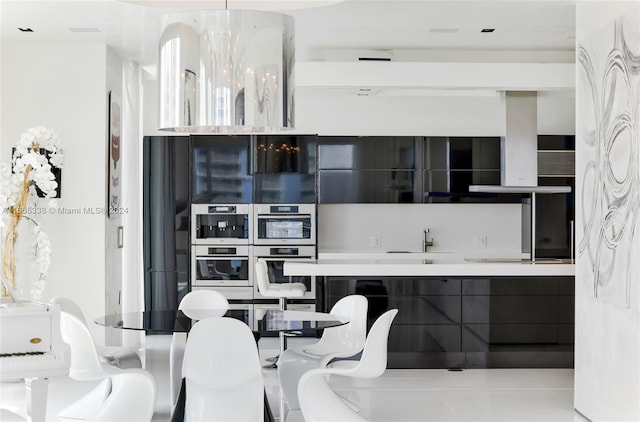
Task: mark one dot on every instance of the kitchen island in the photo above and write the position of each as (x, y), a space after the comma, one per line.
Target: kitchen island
(457, 312)
(418, 264)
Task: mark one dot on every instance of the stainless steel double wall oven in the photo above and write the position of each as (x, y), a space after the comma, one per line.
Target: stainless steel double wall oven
(228, 239)
(285, 232)
(200, 228)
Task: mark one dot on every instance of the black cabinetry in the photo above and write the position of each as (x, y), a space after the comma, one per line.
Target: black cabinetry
(166, 208)
(388, 169)
(261, 169)
(221, 169)
(179, 171)
(556, 167)
(451, 164)
(370, 169)
(470, 322)
(284, 170)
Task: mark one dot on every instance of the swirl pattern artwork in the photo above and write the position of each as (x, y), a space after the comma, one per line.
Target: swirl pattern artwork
(607, 162)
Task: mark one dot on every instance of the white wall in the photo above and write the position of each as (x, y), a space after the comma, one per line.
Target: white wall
(124, 289)
(607, 342)
(70, 95)
(341, 112)
(453, 227)
(324, 105)
(150, 109)
(62, 86)
(132, 261)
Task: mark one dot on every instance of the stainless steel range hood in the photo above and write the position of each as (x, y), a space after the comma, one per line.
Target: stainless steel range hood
(519, 162)
(519, 148)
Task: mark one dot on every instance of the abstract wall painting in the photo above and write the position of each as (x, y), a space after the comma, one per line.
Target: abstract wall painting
(608, 162)
(114, 190)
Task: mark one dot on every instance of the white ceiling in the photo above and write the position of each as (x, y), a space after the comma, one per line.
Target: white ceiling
(405, 30)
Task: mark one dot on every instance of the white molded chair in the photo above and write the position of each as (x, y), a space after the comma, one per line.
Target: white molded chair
(338, 342)
(319, 403)
(191, 303)
(203, 300)
(124, 395)
(282, 291)
(122, 357)
(222, 372)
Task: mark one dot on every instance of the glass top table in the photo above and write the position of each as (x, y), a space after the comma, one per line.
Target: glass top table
(268, 320)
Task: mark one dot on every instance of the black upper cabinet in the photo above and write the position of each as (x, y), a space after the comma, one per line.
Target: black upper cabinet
(285, 169)
(370, 169)
(244, 169)
(285, 188)
(367, 186)
(451, 164)
(408, 169)
(276, 154)
(462, 153)
(556, 167)
(220, 168)
(556, 142)
(367, 152)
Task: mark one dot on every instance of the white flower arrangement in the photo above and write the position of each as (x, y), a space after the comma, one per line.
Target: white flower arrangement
(37, 152)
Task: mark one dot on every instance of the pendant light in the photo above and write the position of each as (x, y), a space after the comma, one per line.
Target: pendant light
(226, 71)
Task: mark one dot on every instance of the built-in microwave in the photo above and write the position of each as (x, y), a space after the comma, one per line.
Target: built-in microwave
(214, 224)
(213, 265)
(277, 224)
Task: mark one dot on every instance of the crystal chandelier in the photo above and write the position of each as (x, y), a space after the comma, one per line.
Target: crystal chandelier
(226, 71)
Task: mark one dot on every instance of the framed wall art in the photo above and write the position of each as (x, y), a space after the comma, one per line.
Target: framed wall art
(114, 185)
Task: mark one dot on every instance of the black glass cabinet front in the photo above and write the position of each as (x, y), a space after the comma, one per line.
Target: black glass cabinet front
(457, 322)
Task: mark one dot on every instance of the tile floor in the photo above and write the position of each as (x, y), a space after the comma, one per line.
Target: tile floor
(540, 395)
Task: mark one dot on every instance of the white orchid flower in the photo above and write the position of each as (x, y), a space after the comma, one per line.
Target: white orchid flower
(41, 177)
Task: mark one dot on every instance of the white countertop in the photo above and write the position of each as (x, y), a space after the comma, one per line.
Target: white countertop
(424, 264)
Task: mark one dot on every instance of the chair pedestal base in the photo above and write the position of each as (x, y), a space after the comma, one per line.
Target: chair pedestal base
(282, 301)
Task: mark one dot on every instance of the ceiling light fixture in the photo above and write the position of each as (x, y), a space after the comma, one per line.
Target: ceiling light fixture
(226, 71)
(25, 29)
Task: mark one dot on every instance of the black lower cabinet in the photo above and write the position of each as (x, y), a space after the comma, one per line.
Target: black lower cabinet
(499, 322)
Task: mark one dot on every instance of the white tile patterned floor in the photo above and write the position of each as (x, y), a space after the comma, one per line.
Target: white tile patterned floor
(535, 395)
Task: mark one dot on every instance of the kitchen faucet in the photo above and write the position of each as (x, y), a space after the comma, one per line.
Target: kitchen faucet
(426, 242)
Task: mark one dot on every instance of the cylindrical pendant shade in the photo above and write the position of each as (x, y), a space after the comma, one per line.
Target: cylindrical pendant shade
(226, 71)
